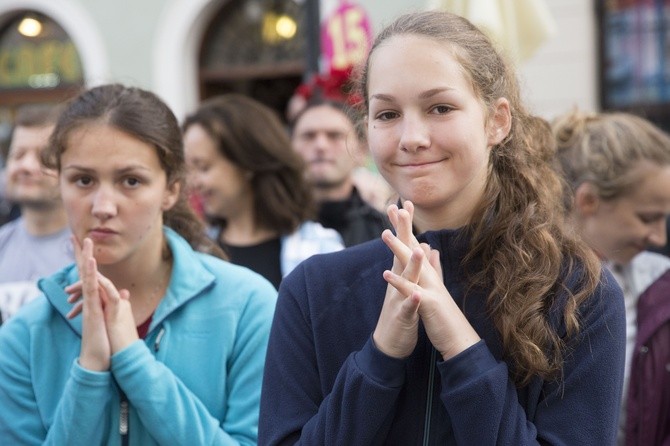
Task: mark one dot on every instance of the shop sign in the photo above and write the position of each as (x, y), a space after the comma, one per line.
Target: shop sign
(45, 64)
(346, 37)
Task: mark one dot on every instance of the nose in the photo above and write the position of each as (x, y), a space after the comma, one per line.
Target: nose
(318, 145)
(31, 162)
(104, 206)
(658, 236)
(415, 135)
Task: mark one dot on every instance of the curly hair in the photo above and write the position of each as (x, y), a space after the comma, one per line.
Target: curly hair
(523, 248)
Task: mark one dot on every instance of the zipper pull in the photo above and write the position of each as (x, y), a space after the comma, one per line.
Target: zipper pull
(159, 337)
(123, 416)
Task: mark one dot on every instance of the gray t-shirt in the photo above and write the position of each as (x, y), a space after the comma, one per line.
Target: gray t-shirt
(24, 259)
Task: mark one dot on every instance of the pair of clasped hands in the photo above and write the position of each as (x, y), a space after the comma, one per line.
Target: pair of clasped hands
(416, 292)
(108, 325)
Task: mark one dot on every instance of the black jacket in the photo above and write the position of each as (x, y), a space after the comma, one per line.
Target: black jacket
(353, 218)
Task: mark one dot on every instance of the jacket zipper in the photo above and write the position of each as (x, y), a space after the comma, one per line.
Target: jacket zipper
(429, 398)
(124, 405)
(124, 424)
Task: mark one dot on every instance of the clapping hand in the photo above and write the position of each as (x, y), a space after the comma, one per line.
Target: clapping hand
(107, 319)
(416, 291)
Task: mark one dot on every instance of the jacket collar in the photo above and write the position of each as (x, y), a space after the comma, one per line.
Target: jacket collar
(189, 278)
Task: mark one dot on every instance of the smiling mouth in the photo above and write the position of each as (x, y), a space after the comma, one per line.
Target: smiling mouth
(417, 165)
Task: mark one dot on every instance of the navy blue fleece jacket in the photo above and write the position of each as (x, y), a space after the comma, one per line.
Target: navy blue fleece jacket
(325, 383)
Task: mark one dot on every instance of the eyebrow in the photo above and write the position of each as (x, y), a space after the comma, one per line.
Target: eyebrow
(423, 95)
(122, 171)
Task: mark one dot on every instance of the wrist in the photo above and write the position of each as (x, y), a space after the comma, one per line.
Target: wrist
(93, 364)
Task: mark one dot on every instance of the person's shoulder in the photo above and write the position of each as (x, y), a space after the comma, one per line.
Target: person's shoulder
(233, 276)
(36, 312)
(315, 230)
(350, 264)
(649, 266)
(311, 238)
(8, 230)
(604, 302)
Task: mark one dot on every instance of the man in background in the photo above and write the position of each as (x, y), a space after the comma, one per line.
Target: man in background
(326, 134)
(37, 243)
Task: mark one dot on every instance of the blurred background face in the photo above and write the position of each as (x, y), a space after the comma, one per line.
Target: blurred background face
(222, 186)
(27, 182)
(621, 228)
(327, 141)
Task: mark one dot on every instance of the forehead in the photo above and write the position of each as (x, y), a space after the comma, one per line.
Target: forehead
(35, 137)
(323, 117)
(103, 146)
(652, 184)
(417, 61)
(199, 143)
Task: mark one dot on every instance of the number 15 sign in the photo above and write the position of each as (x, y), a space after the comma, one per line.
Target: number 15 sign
(346, 36)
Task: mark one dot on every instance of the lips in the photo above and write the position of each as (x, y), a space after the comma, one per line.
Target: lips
(321, 161)
(101, 234)
(416, 165)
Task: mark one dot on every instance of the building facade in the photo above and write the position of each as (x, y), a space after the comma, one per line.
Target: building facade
(177, 48)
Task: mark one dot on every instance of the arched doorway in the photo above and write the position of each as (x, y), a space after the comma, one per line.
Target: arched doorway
(39, 63)
(256, 48)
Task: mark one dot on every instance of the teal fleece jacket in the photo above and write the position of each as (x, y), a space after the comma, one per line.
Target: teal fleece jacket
(194, 379)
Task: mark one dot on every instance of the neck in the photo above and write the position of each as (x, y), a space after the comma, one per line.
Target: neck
(44, 221)
(428, 220)
(339, 192)
(146, 279)
(243, 231)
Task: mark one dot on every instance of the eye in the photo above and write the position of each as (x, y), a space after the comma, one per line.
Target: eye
(336, 136)
(386, 115)
(441, 109)
(16, 155)
(202, 168)
(650, 218)
(131, 182)
(83, 181)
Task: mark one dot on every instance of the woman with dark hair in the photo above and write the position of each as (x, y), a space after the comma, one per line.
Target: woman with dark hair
(164, 344)
(481, 320)
(251, 185)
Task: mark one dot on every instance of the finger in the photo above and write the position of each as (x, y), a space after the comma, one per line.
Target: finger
(434, 260)
(392, 213)
(71, 289)
(89, 273)
(399, 249)
(111, 294)
(124, 294)
(74, 297)
(76, 310)
(413, 270)
(410, 306)
(77, 248)
(407, 282)
(404, 226)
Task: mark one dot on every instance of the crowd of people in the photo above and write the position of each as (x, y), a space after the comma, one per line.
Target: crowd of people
(500, 291)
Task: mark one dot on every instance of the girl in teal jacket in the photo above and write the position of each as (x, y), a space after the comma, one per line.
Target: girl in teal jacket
(144, 341)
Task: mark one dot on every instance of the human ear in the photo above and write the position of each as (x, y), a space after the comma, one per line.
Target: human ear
(586, 199)
(500, 122)
(171, 195)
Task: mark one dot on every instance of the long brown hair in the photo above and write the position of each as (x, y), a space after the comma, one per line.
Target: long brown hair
(252, 136)
(145, 116)
(518, 231)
